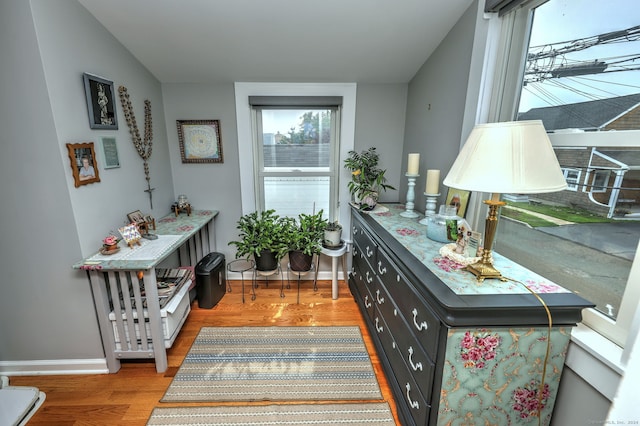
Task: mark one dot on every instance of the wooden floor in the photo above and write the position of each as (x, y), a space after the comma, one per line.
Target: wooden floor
(127, 397)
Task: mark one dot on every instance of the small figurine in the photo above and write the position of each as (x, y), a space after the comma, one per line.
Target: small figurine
(463, 240)
(182, 205)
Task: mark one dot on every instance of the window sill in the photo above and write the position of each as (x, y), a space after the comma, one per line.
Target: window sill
(596, 359)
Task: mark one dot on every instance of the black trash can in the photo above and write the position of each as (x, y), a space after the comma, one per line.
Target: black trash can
(211, 280)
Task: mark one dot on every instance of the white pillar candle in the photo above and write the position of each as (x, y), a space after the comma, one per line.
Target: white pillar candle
(433, 181)
(414, 162)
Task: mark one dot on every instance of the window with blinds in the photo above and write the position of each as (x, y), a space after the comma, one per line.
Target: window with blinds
(296, 154)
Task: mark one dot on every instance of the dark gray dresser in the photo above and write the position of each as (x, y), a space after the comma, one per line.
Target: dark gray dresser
(456, 351)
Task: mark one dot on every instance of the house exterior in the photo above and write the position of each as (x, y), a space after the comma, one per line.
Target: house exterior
(604, 180)
(619, 113)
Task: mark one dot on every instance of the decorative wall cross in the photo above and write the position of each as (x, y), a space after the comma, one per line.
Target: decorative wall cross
(143, 146)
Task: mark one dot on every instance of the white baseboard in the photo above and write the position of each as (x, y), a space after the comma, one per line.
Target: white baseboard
(53, 367)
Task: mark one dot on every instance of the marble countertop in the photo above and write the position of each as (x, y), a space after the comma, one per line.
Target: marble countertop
(413, 236)
(172, 231)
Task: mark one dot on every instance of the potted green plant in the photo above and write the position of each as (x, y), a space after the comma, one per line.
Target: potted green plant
(304, 239)
(262, 235)
(367, 178)
(333, 234)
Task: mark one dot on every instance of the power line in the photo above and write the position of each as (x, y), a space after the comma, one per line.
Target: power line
(550, 61)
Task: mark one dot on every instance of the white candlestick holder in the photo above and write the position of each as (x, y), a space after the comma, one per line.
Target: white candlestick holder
(430, 208)
(411, 196)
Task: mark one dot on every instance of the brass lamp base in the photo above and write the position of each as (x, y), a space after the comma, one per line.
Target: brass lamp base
(483, 271)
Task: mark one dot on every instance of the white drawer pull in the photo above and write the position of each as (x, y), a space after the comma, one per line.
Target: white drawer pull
(381, 270)
(367, 304)
(380, 300)
(423, 325)
(417, 366)
(369, 279)
(369, 253)
(413, 404)
(355, 230)
(379, 328)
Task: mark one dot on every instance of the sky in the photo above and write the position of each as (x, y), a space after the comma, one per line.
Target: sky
(279, 120)
(557, 21)
(566, 20)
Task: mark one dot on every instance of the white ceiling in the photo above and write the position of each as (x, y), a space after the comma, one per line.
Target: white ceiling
(364, 41)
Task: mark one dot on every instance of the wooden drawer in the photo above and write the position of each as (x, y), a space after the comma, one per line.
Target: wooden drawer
(363, 290)
(415, 405)
(360, 259)
(421, 320)
(366, 243)
(416, 360)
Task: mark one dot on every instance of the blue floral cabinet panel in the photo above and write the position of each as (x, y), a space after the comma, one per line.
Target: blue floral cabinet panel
(494, 376)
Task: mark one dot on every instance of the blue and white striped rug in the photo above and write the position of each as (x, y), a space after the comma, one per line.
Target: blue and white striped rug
(275, 364)
(355, 414)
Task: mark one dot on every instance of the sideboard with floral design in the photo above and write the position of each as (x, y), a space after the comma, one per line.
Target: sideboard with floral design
(457, 351)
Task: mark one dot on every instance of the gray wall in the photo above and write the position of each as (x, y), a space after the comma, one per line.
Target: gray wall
(46, 312)
(380, 116)
(578, 403)
(46, 308)
(210, 185)
(436, 106)
(379, 122)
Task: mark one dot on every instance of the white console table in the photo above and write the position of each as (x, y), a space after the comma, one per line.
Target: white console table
(126, 282)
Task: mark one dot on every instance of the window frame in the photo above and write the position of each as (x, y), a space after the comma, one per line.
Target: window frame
(504, 84)
(244, 118)
(600, 187)
(262, 172)
(572, 184)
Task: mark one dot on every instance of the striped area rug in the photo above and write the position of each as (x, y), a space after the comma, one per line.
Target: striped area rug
(276, 364)
(373, 414)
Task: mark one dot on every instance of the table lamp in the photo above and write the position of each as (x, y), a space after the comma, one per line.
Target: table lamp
(499, 158)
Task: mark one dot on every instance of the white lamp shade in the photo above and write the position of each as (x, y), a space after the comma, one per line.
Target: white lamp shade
(510, 157)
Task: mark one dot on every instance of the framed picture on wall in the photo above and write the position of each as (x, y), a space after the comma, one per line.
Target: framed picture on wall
(200, 141)
(100, 102)
(458, 198)
(110, 151)
(83, 163)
